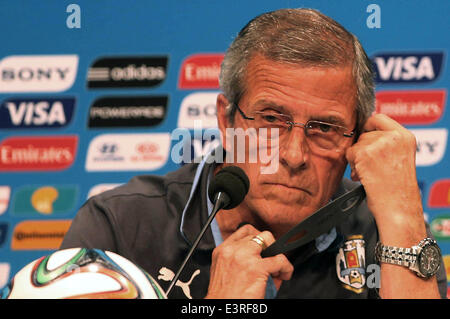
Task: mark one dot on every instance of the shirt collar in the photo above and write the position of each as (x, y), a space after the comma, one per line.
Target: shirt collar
(195, 212)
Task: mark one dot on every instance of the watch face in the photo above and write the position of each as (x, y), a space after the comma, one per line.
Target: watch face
(429, 260)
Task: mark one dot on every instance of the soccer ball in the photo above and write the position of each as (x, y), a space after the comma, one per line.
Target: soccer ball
(80, 273)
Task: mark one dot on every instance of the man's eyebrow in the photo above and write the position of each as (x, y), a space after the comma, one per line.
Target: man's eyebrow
(271, 104)
(330, 119)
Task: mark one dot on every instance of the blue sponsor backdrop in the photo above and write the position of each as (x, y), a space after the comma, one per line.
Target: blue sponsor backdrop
(408, 41)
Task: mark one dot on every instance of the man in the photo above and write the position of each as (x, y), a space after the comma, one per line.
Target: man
(304, 74)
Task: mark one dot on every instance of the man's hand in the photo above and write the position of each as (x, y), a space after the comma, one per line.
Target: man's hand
(383, 160)
(237, 269)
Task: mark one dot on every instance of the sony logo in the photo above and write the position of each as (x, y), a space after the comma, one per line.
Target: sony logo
(37, 73)
(29, 74)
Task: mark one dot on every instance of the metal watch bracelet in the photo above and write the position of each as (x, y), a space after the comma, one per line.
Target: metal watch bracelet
(396, 255)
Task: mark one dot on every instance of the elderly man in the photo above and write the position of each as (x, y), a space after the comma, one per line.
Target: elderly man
(302, 73)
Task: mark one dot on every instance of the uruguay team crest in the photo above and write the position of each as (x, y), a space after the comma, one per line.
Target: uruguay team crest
(351, 264)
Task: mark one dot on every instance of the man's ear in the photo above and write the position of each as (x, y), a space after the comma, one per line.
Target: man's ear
(222, 119)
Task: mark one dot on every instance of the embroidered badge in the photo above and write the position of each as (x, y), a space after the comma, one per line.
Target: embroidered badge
(351, 264)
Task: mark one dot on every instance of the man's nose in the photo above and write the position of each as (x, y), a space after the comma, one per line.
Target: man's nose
(295, 150)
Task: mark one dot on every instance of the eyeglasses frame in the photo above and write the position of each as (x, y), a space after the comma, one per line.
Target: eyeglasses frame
(302, 125)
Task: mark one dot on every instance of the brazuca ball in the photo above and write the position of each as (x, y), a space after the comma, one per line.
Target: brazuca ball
(82, 273)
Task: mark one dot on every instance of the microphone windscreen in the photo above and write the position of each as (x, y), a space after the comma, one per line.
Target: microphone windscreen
(232, 181)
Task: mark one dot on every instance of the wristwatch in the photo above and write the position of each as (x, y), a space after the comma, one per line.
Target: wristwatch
(424, 259)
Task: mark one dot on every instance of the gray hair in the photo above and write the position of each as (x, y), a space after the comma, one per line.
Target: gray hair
(303, 37)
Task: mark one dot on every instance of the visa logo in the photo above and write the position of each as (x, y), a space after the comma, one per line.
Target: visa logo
(36, 113)
(407, 67)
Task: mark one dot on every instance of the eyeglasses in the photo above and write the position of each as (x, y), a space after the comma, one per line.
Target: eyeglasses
(325, 136)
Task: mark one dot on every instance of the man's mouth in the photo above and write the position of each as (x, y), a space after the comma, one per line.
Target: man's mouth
(290, 187)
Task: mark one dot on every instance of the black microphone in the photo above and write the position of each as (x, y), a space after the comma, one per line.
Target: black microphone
(226, 190)
(229, 187)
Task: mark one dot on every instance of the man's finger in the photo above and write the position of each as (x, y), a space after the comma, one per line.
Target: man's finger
(242, 232)
(279, 267)
(262, 240)
(381, 122)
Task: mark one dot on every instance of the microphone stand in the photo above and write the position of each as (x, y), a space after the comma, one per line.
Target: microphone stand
(221, 201)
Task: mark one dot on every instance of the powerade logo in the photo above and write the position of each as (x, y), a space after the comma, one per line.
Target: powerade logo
(143, 111)
(36, 113)
(37, 73)
(122, 72)
(38, 153)
(30, 201)
(413, 67)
